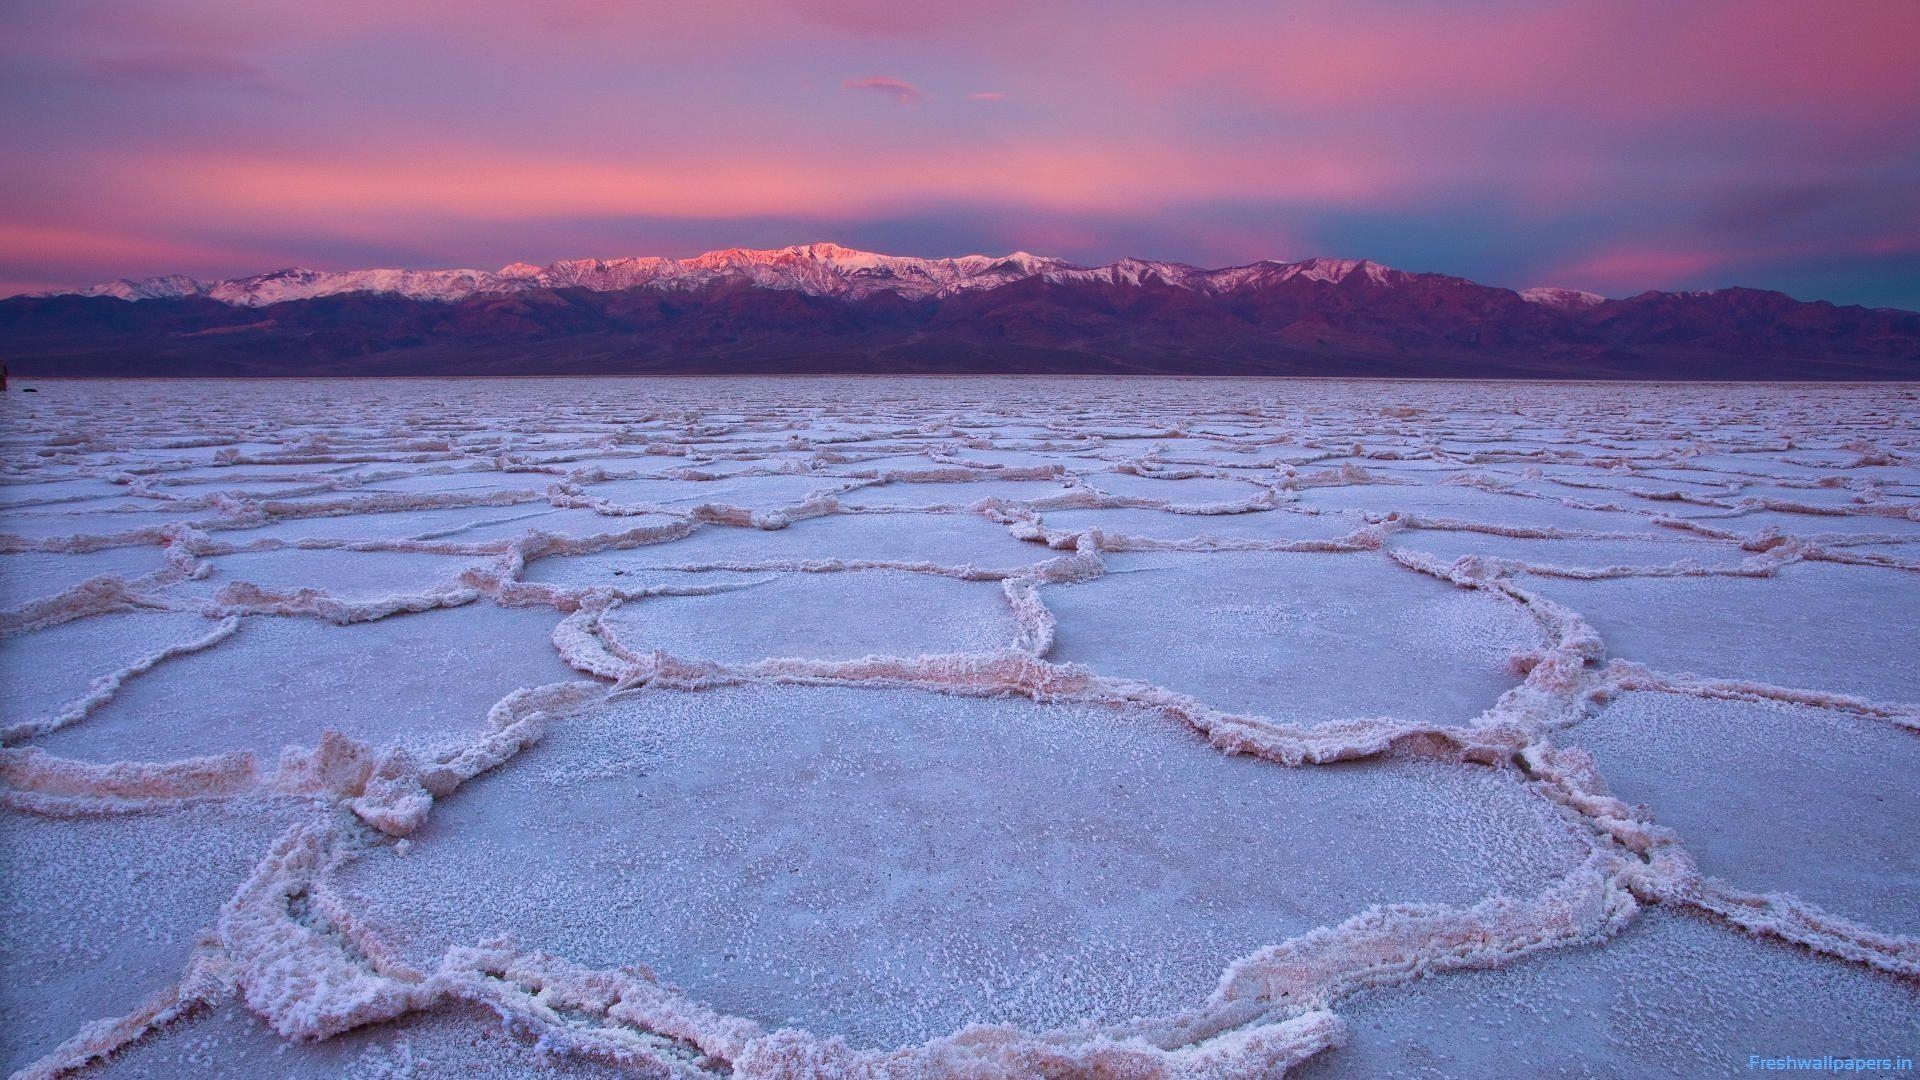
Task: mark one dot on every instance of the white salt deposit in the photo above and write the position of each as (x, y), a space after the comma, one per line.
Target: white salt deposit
(986, 728)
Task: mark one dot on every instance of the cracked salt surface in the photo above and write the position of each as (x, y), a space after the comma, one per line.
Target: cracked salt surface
(354, 574)
(229, 1042)
(1672, 996)
(1293, 631)
(57, 664)
(964, 543)
(891, 865)
(101, 912)
(1161, 525)
(1775, 797)
(439, 673)
(1558, 555)
(1850, 629)
(956, 727)
(1459, 503)
(822, 616)
(28, 576)
(957, 494)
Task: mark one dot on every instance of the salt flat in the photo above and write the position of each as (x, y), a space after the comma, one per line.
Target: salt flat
(983, 727)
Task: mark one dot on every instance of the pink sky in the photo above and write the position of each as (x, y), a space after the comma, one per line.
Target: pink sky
(1614, 146)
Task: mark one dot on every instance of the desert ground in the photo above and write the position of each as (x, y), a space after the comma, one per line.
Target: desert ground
(920, 727)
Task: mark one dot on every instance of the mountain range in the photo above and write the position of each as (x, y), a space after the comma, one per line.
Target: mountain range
(821, 308)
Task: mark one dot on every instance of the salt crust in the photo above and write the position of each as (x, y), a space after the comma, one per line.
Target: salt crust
(305, 963)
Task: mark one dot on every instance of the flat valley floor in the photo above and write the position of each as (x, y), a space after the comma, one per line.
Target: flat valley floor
(957, 727)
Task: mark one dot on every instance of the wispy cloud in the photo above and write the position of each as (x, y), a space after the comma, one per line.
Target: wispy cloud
(875, 18)
(986, 95)
(183, 69)
(903, 93)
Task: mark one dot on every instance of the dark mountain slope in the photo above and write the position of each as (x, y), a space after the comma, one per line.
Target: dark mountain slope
(1383, 323)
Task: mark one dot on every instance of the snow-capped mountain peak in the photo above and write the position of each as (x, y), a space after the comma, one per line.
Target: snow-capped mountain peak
(1562, 299)
(819, 269)
(1337, 271)
(167, 287)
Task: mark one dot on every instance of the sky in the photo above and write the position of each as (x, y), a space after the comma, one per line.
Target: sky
(1615, 146)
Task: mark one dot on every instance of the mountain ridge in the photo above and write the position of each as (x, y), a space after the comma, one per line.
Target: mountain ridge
(828, 309)
(818, 269)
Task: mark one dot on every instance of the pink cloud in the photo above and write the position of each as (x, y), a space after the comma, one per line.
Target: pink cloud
(1631, 269)
(64, 256)
(1635, 267)
(483, 181)
(1608, 58)
(890, 18)
(986, 95)
(182, 68)
(903, 93)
